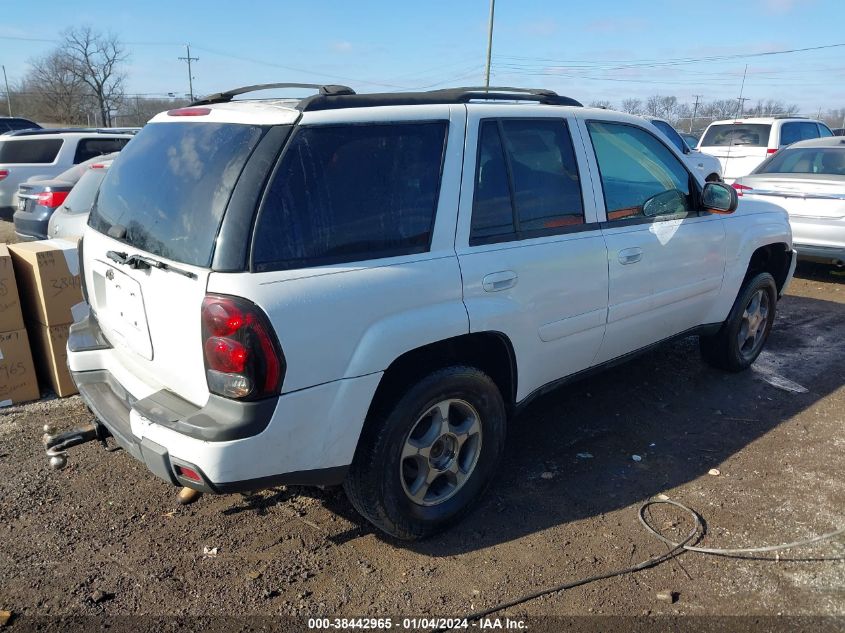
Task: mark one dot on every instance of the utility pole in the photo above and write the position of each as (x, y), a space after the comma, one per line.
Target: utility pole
(489, 44)
(741, 105)
(694, 112)
(190, 59)
(8, 96)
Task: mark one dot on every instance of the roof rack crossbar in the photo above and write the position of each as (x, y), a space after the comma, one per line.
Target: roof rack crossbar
(225, 97)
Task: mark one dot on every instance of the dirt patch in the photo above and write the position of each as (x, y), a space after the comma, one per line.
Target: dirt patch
(106, 537)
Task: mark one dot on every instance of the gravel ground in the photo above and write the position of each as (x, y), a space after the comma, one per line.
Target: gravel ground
(105, 538)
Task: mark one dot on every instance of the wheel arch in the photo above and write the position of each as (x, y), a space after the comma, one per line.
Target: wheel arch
(491, 352)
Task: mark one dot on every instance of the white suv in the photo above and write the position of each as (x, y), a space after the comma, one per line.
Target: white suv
(742, 144)
(363, 289)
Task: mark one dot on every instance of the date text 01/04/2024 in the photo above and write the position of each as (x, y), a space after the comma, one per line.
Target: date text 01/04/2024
(348, 624)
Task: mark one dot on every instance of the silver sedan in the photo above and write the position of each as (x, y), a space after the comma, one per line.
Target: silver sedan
(808, 180)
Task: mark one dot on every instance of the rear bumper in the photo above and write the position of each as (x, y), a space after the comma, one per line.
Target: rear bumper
(818, 239)
(31, 226)
(306, 437)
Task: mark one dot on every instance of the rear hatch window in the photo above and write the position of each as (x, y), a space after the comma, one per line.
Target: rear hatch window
(83, 193)
(737, 134)
(30, 151)
(168, 190)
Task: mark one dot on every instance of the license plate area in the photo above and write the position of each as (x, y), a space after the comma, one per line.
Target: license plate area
(121, 310)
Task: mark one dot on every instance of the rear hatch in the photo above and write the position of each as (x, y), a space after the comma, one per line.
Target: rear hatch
(740, 147)
(148, 257)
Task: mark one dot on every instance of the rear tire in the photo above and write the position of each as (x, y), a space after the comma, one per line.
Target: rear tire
(743, 335)
(422, 463)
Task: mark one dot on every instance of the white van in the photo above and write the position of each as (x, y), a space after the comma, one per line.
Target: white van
(742, 144)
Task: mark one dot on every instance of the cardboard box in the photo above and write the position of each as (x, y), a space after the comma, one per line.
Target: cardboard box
(17, 373)
(11, 318)
(47, 273)
(49, 347)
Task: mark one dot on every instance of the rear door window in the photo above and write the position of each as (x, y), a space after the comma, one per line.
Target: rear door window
(795, 131)
(737, 134)
(168, 192)
(824, 130)
(89, 148)
(527, 182)
(351, 193)
(30, 150)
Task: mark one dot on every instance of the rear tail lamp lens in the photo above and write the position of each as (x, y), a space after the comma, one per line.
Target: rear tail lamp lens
(771, 150)
(243, 359)
(740, 188)
(3, 173)
(51, 199)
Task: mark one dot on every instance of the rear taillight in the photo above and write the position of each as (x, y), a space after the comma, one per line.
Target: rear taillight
(740, 188)
(771, 150)
(3, 173)
(51, 199)
(243, 359)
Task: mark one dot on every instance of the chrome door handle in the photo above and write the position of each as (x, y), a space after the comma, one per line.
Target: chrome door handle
(494, 282)
(630, 255)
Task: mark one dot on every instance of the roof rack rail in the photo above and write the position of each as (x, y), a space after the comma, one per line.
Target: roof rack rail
(225, 97)
(71, 130)
(442, 96)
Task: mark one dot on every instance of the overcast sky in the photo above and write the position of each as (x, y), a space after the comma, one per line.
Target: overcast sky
(607, 49)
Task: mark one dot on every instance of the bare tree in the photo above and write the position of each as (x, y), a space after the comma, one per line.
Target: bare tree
(601, 103)
(95, 59)
(632, 106)
(53, 92)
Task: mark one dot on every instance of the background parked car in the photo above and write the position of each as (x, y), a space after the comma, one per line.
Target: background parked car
(39, 199)
(743, 144)
(839, 131)
(46, 154)
(14, 123)
(706, 166)
(808, 180)
(691, 139)
(69, 219)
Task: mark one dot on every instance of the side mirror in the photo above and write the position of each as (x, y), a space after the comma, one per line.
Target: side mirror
(719, 198)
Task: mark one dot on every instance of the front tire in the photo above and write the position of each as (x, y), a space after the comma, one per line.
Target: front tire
(742, 336)
(420, 465)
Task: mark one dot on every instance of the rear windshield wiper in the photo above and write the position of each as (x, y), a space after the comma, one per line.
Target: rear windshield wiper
(136, 261)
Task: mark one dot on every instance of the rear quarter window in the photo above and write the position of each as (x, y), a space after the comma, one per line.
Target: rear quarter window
(30, 150)
(89, 148)
(351, 192)
(736, 134)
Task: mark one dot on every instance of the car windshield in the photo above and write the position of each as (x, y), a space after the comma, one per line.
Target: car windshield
(81, 197)
(169, 188)
(749, 134)
(806, 160)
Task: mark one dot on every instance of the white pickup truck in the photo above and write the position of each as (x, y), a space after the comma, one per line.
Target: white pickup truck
(364, 288)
